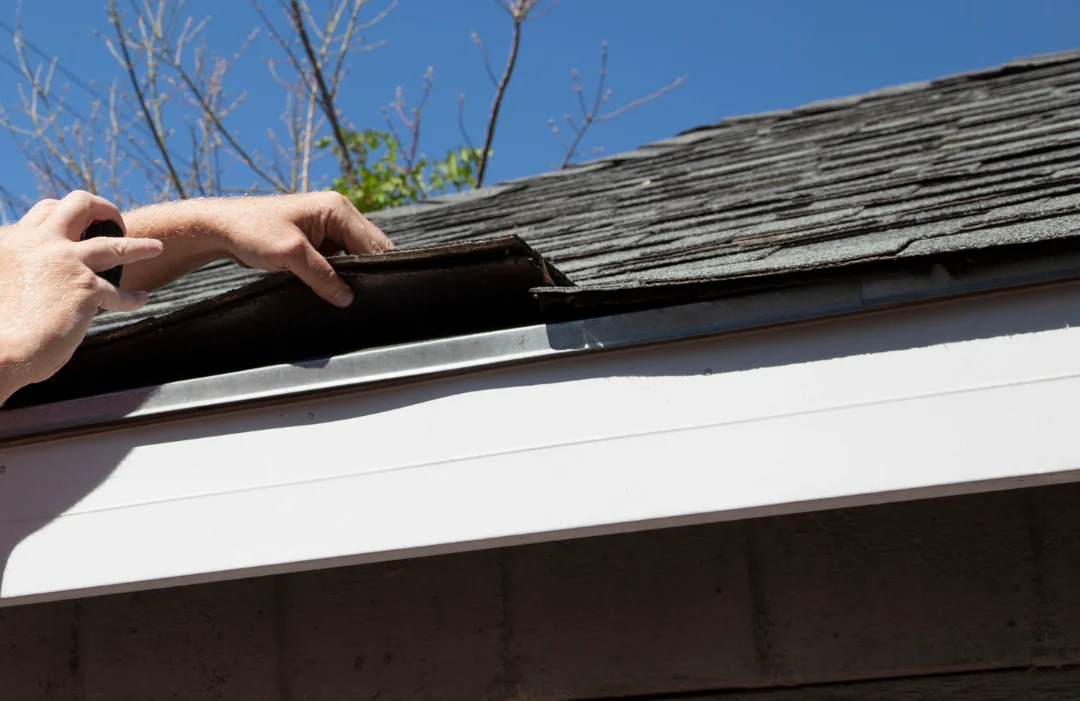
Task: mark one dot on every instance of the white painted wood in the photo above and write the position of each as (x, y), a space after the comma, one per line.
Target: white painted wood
(934, 400)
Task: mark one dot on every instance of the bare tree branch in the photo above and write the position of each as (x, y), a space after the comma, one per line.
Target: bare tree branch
(534, 15)
(178, 89)
(347, 38)
(487, 59)
(159, 139)
(640, 101)
(282, 44)
(163, 39)
(61, 155)
(520, 11)
(215, 118)
(134, 124)
(325, 97)
(592, 115)
(309, 138)
(461, 121)
(346, 41)
(412, 123)
(496, 103)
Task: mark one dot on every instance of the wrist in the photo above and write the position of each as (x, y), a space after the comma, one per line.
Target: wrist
(198, 220)
(191, 236)
(187, 227)
(14, 369)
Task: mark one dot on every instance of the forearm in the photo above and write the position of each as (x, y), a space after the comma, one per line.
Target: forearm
(190, 237)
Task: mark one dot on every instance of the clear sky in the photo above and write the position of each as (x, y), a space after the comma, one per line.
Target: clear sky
(739, 57)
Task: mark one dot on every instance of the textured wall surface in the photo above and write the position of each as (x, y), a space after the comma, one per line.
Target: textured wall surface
(904, 593)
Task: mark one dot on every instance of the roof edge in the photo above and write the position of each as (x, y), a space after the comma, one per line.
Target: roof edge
(685, 319)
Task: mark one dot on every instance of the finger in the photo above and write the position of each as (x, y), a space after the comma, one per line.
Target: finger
(107, 252)
(118, 300)
(352, 230)
(371, 238)
(39, 212)
(79, 210)
(309, 265)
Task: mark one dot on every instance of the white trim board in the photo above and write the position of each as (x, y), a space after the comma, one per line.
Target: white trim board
(938, 399)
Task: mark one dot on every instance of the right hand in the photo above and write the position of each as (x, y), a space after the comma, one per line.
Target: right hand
(49, 289)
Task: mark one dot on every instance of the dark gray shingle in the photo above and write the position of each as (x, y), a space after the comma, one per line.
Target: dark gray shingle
(962, 162)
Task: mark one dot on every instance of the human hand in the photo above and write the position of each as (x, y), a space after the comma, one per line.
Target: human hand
(296, 233)
(49, 289)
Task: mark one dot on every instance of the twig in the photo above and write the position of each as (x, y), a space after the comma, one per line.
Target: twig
(284, 45)
(114, 140)
(347, 38)
(591, 116)
(16, 212)
(196, 171)
(328, 107)
(461, 121)
(156, 45)
(114, 19)
(530, 15)
(640, 101)
(215, 119)
(309, 137)
(72, 77)
(520, 11)
(309, 72)
(487, 59)
(496, 102)
(412, 123)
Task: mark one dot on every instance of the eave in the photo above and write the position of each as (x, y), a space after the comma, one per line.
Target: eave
(851, 392)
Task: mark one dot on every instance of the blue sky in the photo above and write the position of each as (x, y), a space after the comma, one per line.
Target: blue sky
(739, 57)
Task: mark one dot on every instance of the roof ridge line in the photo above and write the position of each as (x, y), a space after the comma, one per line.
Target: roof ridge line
(1016, 65)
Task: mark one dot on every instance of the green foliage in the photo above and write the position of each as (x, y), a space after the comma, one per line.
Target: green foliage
(384, 177)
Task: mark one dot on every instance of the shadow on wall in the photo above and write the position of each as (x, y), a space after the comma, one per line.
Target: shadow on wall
(39, 484)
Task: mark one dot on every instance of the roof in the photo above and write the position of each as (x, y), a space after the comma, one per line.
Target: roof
(926, 231)
(278, 320)
(963, 172)
(964, 162)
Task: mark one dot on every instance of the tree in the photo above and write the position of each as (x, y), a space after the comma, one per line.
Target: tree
(160, 130)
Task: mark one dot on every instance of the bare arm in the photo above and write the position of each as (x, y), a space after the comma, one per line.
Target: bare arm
(286, 232)
(50, 290)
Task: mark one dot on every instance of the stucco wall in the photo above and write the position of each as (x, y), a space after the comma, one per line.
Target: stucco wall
(972, 583)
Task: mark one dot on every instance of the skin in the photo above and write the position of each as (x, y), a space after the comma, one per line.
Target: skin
(50, 292)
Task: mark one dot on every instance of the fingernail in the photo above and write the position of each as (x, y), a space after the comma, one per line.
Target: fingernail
(344, 298)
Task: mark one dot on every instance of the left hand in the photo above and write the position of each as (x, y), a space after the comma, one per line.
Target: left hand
(274, 233)
(296, 233)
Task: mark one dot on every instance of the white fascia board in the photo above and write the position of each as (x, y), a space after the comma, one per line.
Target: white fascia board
(936, 399)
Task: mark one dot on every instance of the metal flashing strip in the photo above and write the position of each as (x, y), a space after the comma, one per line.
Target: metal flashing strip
(406, 296)
(440, 357)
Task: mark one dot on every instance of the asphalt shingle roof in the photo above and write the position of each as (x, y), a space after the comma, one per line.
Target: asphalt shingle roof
(963, 162)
